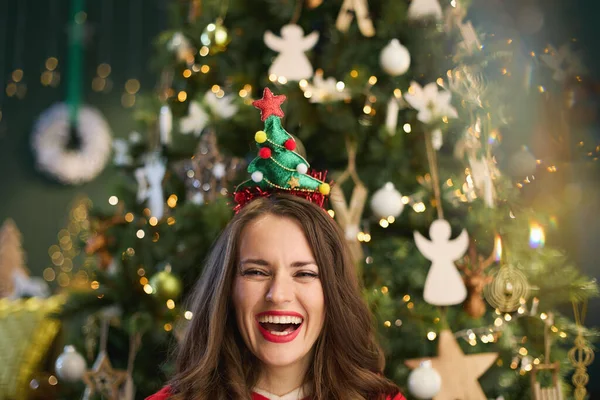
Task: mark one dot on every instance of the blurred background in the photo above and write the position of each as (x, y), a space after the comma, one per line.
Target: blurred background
(141, 65)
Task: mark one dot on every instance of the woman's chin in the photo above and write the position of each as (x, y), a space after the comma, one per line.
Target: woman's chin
(279, 358)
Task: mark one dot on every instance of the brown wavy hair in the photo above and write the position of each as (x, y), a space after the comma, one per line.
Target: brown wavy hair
(213, 362)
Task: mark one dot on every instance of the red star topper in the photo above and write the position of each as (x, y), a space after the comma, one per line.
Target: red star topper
(269, 105)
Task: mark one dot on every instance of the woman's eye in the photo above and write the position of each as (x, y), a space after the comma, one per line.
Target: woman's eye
(307, 275)
(253, 272)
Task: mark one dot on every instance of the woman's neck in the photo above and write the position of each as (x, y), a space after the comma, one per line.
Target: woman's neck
(281, 380)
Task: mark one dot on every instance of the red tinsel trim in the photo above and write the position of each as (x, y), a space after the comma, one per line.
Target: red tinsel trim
(245, 196)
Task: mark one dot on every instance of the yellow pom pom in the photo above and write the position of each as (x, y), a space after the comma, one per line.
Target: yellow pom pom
(324, 188)
(260, 137)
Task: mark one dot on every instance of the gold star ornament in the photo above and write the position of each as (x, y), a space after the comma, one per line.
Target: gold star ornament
(459, 372)
(103, 379)
(293, 182)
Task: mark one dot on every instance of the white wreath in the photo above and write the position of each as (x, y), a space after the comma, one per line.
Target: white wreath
(50, 138)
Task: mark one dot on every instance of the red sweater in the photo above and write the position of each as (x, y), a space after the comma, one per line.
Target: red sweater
(164, 395)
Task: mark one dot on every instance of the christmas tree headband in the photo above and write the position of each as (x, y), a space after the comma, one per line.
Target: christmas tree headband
(278, 168)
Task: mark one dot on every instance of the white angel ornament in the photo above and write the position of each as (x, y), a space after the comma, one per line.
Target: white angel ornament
(291, 63)
(444, 285)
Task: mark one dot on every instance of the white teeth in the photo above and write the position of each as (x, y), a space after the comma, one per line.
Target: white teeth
(284, 319)
(280, 333)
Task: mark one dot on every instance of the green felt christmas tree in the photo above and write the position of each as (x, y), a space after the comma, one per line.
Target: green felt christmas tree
(278, 166)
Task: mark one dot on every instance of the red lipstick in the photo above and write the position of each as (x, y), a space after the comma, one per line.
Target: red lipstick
(279, 338)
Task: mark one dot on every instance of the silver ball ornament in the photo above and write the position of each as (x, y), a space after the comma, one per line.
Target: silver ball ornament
(424, 382)
(387, 201)
(395, 58)
(70, 365)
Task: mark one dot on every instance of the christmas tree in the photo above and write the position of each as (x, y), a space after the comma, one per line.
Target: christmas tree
(400, 97)
(12, 257)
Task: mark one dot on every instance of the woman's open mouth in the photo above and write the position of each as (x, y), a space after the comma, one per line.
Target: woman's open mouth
(279, 328)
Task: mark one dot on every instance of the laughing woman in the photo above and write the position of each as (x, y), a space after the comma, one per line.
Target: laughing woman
(278, 312)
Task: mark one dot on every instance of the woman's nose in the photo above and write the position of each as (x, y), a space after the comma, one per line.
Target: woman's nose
(280, 290)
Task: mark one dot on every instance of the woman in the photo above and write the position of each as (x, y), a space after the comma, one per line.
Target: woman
(278, 314)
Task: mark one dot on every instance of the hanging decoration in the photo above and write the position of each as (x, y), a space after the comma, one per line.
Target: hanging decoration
(70, 365)
(581, 355)
(55, 151)
(349, 216)
(553, 392)
(424, 382)
(149, 178)
(459, 372)
(474, 268)
(103, 379)
(360, 9)
(291, 64)
(395, 58)
(165, 124)
(324, 90)
(431, 103)
(444, 285)
(507, 288)
(72, 143)
(207, 174)
(98, 243)
(387, 201)
(210, 108)
(215, 36)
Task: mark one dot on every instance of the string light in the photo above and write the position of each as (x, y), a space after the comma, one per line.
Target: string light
(537, 238)
(113, 200)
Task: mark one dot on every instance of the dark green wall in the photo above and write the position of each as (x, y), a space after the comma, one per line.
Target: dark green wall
(38, 204)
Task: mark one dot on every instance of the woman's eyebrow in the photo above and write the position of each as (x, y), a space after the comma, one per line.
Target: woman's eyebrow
(264, 263)
(256, 261)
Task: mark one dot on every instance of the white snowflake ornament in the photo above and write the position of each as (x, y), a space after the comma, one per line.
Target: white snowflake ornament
(431, 103)
(200, 114)
(291, 63)
(325, 90)
(195, 121)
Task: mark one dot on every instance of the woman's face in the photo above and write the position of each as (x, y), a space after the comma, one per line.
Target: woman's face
(277, 292)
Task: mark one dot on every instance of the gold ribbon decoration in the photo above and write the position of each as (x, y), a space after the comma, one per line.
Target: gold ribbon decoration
(349, 216)
(360, 8)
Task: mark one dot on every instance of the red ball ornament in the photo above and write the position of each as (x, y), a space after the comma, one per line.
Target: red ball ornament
(265, 152)
(290, 144)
